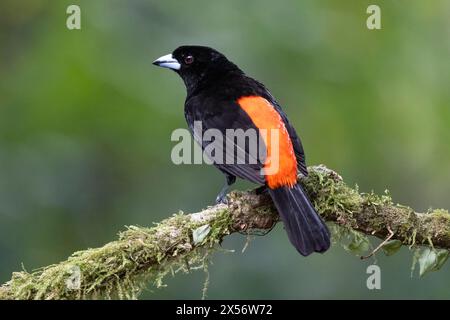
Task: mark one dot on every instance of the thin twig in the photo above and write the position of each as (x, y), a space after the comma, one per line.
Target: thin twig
(391, 234)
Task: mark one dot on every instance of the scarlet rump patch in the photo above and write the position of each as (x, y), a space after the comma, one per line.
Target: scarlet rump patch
(264, 116)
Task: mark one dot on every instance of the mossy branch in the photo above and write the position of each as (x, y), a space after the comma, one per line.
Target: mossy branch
(121, 268)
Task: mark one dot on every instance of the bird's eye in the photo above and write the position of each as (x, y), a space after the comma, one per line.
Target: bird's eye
(189, 59)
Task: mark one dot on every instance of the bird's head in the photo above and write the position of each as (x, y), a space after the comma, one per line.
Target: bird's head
(196, 63)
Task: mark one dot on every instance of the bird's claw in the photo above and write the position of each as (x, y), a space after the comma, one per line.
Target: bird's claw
(222, 199)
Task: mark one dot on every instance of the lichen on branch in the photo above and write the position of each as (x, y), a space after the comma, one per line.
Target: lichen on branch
(183, 242)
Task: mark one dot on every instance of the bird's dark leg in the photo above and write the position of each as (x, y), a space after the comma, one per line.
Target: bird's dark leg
(261, 190)
(222, 196)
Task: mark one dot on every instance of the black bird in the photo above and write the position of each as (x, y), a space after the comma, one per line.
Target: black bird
(221, 96)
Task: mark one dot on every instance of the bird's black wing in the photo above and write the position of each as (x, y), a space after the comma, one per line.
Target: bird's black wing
(222, 115)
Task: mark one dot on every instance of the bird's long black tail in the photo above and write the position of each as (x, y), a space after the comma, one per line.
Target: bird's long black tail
(305, 229)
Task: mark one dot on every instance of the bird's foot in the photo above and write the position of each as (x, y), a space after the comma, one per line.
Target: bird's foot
(222, 198)
(261, 190)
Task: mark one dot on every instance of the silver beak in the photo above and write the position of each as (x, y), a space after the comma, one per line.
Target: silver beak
(167, 61)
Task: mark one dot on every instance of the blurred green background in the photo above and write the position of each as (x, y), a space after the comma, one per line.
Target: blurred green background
(85, 124)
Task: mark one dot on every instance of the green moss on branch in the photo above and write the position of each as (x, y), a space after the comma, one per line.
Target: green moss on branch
(121, 268)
